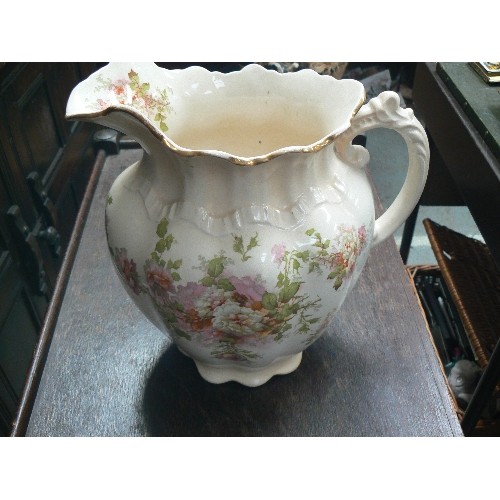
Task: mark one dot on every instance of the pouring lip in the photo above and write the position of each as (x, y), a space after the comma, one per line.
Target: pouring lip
(246, 161)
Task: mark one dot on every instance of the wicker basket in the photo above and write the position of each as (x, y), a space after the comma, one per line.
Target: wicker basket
(473, 280)
(474, 283)
(433, 270)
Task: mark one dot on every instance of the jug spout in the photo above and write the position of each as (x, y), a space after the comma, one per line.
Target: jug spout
(118, 97)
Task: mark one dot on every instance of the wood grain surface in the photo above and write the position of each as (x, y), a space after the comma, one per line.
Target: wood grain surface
(109, 372)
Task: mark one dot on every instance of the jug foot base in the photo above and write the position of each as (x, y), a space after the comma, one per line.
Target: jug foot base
(248, 377)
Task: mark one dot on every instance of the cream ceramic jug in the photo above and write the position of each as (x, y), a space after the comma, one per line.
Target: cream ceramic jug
(249, 217)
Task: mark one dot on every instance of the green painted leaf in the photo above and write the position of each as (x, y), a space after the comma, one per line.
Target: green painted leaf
(304, 256)
(288, 291)
(168, 241)
(207, 281)
(290, 310)
(162, 228)
(163, 126)
(176, 276)
(160, 246)
(253, 242)
(279, 283)
(313, 266)
(174, 264)
(215, 267)
(310, 232)
(238, 244)
(269, 301)
(225, 284)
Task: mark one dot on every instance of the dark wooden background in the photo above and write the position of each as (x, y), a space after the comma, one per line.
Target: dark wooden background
(35, 139)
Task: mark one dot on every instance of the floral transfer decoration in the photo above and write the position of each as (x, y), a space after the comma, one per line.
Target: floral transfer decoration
(131, 91)
(230, 314)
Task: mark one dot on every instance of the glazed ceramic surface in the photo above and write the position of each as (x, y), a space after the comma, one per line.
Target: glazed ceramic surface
(249, 218)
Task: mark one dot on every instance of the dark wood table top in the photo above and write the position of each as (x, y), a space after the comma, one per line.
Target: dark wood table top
(109, 372)
(479, 100)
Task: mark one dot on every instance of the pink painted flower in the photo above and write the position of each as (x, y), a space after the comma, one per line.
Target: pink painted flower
(362, 237)
(247, 290)
(160, 282)
(102, 104)
(195, 306)
(119, 86)
(127, 269)
(188, 294)
(278, 253)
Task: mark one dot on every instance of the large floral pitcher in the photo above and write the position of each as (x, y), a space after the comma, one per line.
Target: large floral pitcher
(249, 217)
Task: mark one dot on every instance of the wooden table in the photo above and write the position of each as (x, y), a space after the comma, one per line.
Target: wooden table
(109, 372)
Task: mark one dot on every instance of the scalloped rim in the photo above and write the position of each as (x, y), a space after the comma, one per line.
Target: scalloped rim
(237, 160)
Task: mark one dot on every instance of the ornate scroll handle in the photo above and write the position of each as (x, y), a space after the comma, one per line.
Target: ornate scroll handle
(385, 111)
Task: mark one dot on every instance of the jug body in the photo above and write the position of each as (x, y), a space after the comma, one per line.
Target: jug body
(249, 218)
(246, 278)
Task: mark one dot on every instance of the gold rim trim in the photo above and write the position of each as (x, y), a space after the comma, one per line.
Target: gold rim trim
(237, 160)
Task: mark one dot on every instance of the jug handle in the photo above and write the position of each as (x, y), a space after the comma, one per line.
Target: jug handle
(384, 111)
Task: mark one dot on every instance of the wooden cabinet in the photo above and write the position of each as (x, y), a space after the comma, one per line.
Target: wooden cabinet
(45, 163)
